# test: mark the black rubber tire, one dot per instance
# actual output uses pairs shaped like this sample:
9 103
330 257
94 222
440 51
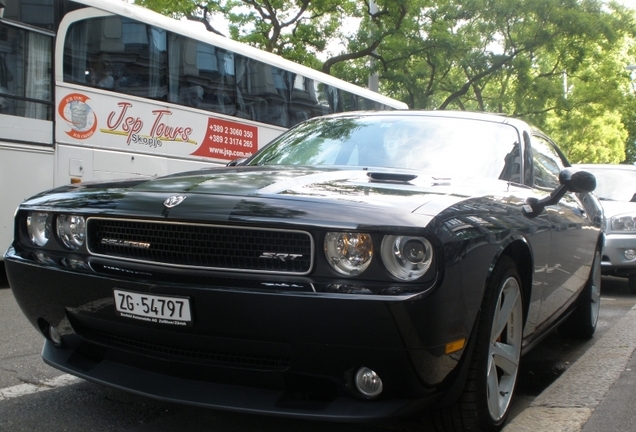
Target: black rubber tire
631 283
581 324
473 412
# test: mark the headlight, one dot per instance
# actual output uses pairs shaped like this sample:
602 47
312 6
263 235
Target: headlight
38 228
349 253
407 258
71 230
623 223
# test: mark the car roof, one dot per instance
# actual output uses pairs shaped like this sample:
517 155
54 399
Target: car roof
606 166
475 115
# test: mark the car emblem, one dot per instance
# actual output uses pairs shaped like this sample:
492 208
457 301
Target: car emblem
284 257
174 201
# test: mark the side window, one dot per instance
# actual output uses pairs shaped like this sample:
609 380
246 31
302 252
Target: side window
203 76
118 54
547 163
25 73
38 13
303 100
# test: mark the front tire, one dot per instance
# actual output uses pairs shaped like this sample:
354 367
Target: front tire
485 401
581 324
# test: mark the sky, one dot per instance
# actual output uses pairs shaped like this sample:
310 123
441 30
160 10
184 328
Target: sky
629 3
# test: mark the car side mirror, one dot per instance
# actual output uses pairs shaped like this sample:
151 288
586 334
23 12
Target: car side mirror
571 181
577 181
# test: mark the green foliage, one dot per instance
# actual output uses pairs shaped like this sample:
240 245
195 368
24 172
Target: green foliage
629 120
590 135
508 56
174 8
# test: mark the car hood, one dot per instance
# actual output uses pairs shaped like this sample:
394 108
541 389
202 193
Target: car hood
293 193
613 208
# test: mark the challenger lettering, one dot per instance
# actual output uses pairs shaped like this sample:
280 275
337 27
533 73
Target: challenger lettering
125 243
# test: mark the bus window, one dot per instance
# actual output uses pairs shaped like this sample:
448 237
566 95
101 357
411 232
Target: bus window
38 13
331 99
249 105
349 101
205 75
25 68
118 54
270 84
303 100
367 104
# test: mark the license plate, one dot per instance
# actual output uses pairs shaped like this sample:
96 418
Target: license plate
154 309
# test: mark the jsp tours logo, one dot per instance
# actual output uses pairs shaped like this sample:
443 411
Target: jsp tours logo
78 115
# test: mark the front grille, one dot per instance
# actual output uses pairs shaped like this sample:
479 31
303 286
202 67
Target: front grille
201 246
198 279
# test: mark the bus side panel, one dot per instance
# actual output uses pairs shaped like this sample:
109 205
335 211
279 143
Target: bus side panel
76 163
97 119
25 169
14 129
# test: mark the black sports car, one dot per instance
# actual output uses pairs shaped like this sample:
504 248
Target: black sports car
361 266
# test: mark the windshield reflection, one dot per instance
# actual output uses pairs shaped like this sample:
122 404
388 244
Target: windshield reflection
453 146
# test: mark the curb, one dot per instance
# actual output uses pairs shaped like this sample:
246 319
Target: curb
567 404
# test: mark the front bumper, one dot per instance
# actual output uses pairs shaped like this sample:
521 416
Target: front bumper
112 372
614 261
251 351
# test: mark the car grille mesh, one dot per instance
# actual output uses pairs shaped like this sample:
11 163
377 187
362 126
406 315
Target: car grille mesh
202 246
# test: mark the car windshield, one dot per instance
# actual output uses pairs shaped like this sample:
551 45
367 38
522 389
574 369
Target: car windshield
614 184
452 146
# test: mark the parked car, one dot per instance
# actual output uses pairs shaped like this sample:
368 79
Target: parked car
616 188
361 266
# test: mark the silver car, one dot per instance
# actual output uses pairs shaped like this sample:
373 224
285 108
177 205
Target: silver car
616 188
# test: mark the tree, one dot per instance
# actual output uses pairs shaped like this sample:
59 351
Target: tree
515 57
509 56
593 123
299 30
629 120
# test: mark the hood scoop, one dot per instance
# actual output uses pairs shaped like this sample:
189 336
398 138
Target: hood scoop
390 177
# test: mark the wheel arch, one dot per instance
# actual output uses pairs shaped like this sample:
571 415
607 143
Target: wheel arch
519 250
600 243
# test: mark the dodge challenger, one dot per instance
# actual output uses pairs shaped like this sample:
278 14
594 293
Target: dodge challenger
362 266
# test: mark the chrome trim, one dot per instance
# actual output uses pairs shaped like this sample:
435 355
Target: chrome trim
224 269
174 201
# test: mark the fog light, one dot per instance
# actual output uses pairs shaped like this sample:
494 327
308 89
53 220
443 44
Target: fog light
630 254
75 264
368 382
45 259
54 336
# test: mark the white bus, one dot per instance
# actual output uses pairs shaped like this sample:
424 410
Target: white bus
102 89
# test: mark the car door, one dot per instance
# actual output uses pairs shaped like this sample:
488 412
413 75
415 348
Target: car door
571 241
